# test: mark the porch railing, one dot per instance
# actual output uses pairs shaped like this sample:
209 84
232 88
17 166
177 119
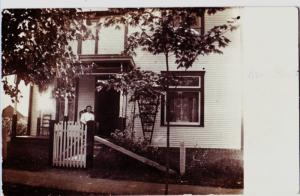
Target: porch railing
71 144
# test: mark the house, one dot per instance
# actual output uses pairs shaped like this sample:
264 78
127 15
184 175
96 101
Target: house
206 110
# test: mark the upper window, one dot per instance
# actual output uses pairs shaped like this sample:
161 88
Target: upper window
198 26
186 100
89 45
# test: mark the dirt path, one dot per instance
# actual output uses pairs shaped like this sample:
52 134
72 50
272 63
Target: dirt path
80 182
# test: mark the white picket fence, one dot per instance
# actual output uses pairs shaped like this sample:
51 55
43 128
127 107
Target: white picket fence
69 145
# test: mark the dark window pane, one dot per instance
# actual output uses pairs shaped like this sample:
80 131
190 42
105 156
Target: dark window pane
71 109
197 23
186 81
184 106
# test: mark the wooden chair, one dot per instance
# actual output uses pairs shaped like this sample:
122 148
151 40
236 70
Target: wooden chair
45 123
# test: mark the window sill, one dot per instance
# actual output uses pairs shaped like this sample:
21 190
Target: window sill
182 125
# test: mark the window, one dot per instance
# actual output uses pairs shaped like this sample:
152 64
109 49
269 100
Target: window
186 100
72 105
198 26
70 112
89 44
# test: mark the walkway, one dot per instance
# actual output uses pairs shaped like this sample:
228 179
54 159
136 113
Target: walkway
79 181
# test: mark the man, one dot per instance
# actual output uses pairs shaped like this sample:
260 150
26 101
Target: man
87 115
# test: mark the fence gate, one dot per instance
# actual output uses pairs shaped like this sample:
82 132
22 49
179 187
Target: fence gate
69 145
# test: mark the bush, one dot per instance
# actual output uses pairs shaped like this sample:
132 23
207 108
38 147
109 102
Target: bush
225 172
21 128
139 146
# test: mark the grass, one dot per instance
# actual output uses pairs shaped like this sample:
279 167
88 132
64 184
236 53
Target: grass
216 169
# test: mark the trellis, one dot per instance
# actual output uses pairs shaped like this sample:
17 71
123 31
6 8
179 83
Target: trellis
148 108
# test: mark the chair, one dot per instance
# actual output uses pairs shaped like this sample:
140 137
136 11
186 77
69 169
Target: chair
45 123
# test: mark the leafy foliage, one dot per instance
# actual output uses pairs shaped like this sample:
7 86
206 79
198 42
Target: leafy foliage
139 84
139 146
172 31
136 82
35 46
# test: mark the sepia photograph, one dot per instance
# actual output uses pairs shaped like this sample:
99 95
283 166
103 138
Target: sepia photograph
124 101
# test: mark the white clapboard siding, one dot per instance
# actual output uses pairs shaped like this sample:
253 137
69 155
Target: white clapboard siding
111 40
223 84
69 145
86 92
222 116
39 107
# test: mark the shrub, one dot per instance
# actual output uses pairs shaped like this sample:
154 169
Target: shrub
21 128
226 172
7 125
139 146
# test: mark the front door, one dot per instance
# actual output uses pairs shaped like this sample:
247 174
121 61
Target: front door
107 105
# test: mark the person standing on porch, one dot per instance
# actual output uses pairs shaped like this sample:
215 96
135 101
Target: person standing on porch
87 115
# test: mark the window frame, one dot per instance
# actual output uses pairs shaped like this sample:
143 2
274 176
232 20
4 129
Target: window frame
198 27
199 89
72 105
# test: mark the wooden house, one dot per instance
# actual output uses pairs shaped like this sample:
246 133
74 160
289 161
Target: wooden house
206 110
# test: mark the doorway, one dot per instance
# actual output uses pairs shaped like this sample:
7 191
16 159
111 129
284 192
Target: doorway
107 105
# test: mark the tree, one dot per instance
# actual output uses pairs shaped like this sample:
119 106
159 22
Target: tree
35 47
170 31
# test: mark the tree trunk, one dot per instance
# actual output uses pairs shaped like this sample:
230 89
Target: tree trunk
15 116
168 127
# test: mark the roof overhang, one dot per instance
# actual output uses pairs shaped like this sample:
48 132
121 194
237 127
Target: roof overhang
109 63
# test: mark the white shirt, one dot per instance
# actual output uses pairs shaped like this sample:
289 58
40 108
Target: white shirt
87 116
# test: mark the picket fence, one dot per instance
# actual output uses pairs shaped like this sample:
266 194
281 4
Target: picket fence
69 145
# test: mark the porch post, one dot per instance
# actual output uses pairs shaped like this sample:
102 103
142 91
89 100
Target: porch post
90 144
66 111
122 114
38 126
30 110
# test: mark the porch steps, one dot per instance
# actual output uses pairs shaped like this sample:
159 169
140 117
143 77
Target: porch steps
132 154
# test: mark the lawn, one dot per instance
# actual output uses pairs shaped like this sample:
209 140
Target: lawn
222 172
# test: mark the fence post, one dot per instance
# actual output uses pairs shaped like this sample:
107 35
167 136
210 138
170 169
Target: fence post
51 135
14 127
182 158
90 144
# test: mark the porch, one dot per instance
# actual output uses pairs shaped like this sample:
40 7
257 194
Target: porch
109 107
